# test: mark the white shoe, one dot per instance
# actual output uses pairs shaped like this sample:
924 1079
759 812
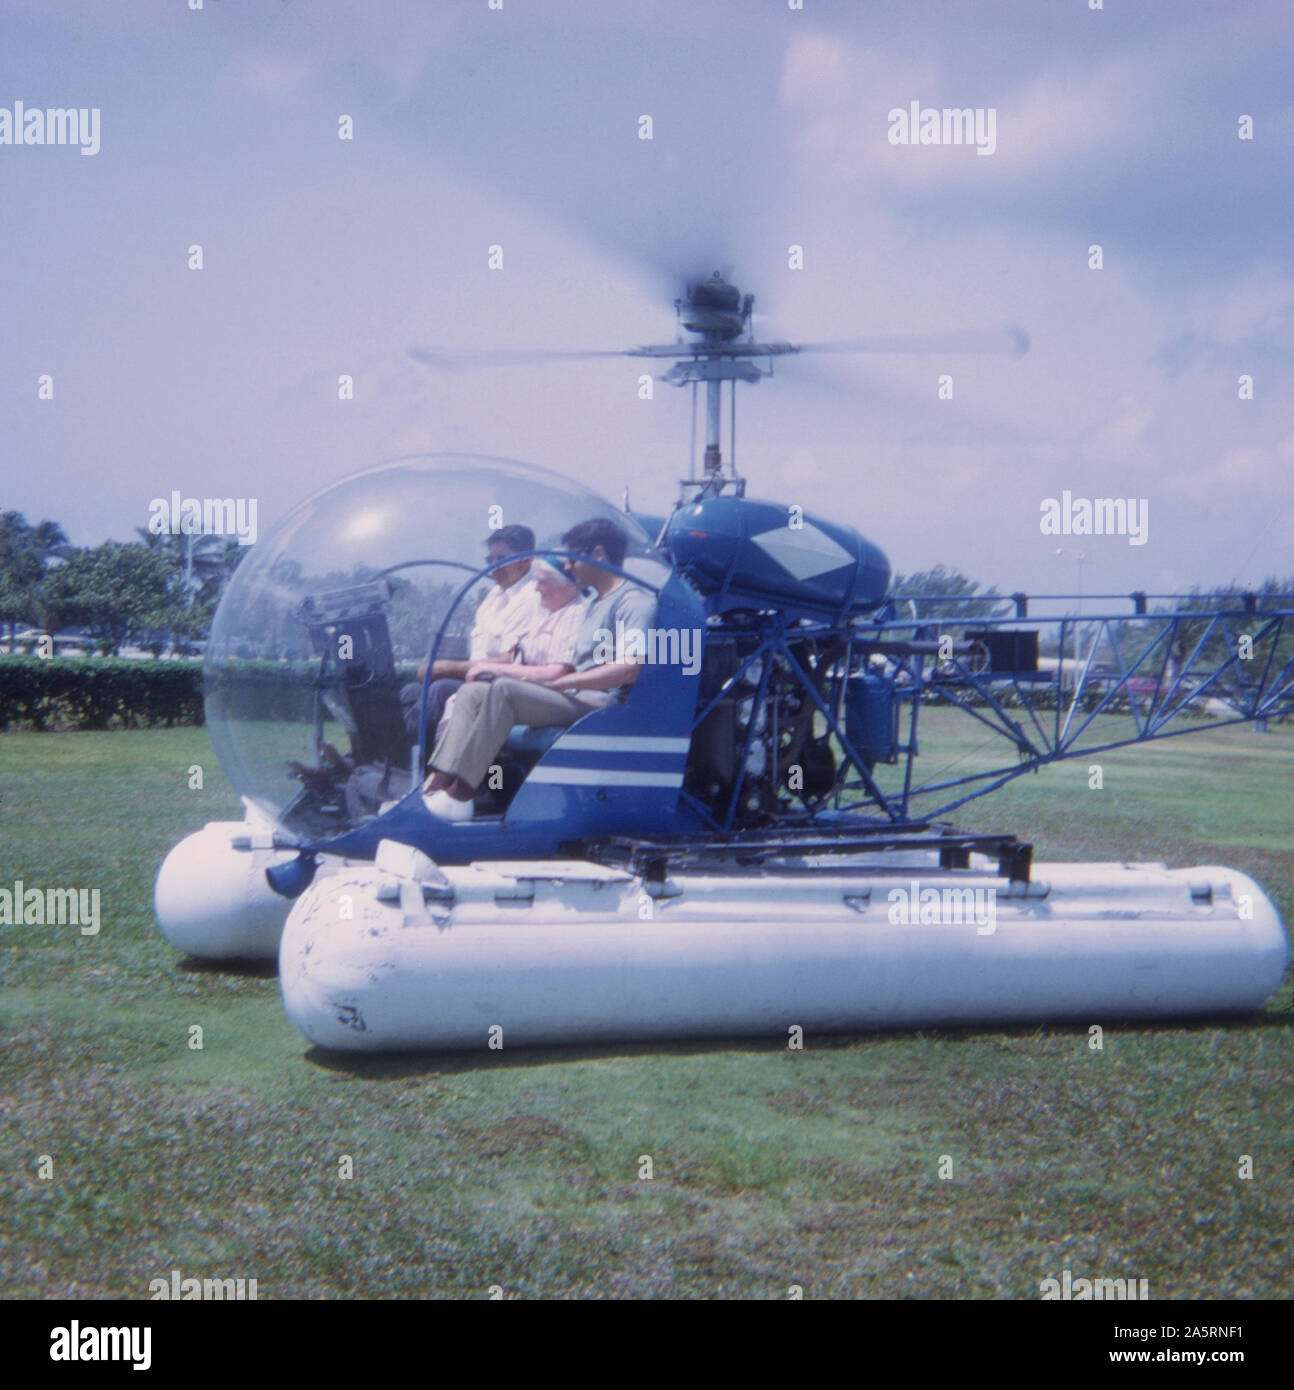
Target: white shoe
448 807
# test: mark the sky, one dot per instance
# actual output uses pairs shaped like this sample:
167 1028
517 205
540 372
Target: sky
520 127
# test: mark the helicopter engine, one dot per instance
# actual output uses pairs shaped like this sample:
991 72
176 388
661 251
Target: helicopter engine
764 570
764 741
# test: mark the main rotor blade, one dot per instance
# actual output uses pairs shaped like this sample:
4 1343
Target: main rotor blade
1010 339
503 357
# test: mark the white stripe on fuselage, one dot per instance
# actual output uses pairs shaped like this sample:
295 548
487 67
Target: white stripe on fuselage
605 776
626 743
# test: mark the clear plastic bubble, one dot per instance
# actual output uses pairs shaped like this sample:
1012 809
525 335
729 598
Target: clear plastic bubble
331 613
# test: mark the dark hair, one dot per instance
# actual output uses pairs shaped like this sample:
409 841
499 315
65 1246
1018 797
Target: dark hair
598 530
517 538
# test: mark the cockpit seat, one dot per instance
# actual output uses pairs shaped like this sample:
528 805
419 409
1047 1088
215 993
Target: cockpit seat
524 739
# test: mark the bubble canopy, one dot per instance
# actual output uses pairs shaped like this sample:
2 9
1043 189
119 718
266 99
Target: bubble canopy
331 613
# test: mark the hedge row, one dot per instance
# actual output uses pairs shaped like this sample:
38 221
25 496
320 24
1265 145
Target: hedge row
98 694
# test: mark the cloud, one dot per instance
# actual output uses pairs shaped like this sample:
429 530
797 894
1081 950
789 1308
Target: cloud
1125 429
1251 472
1241 323
843 94
273 74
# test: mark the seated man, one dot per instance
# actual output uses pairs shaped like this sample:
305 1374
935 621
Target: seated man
546 649
501 618
484 713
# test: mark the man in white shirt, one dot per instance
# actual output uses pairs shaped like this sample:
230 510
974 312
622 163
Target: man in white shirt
484 712
507 611
503 617
546 649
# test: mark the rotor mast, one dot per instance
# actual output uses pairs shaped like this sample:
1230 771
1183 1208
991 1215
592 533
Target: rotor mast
718 314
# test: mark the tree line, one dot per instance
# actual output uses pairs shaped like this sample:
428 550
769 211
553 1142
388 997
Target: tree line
159 592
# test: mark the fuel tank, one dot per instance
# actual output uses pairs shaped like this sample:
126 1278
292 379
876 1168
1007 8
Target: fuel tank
402 954
743 553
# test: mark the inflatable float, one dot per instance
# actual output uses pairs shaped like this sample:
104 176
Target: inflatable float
403 954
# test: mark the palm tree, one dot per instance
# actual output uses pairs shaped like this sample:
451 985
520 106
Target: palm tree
25 554
199 561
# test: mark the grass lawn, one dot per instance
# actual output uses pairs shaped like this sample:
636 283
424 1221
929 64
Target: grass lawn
771 1168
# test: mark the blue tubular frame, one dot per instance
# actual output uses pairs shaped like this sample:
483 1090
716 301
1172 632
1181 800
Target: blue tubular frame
1069 692
1076 683
772 644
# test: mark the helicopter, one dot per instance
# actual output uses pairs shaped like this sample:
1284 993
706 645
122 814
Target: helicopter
721 851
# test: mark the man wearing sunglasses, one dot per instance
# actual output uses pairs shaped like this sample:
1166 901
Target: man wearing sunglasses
484 713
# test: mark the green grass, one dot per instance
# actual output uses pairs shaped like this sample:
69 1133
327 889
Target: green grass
771 1168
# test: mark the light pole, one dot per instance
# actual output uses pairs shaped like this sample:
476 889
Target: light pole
1081 557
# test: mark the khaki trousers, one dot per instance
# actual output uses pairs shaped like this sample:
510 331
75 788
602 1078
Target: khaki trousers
483 712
